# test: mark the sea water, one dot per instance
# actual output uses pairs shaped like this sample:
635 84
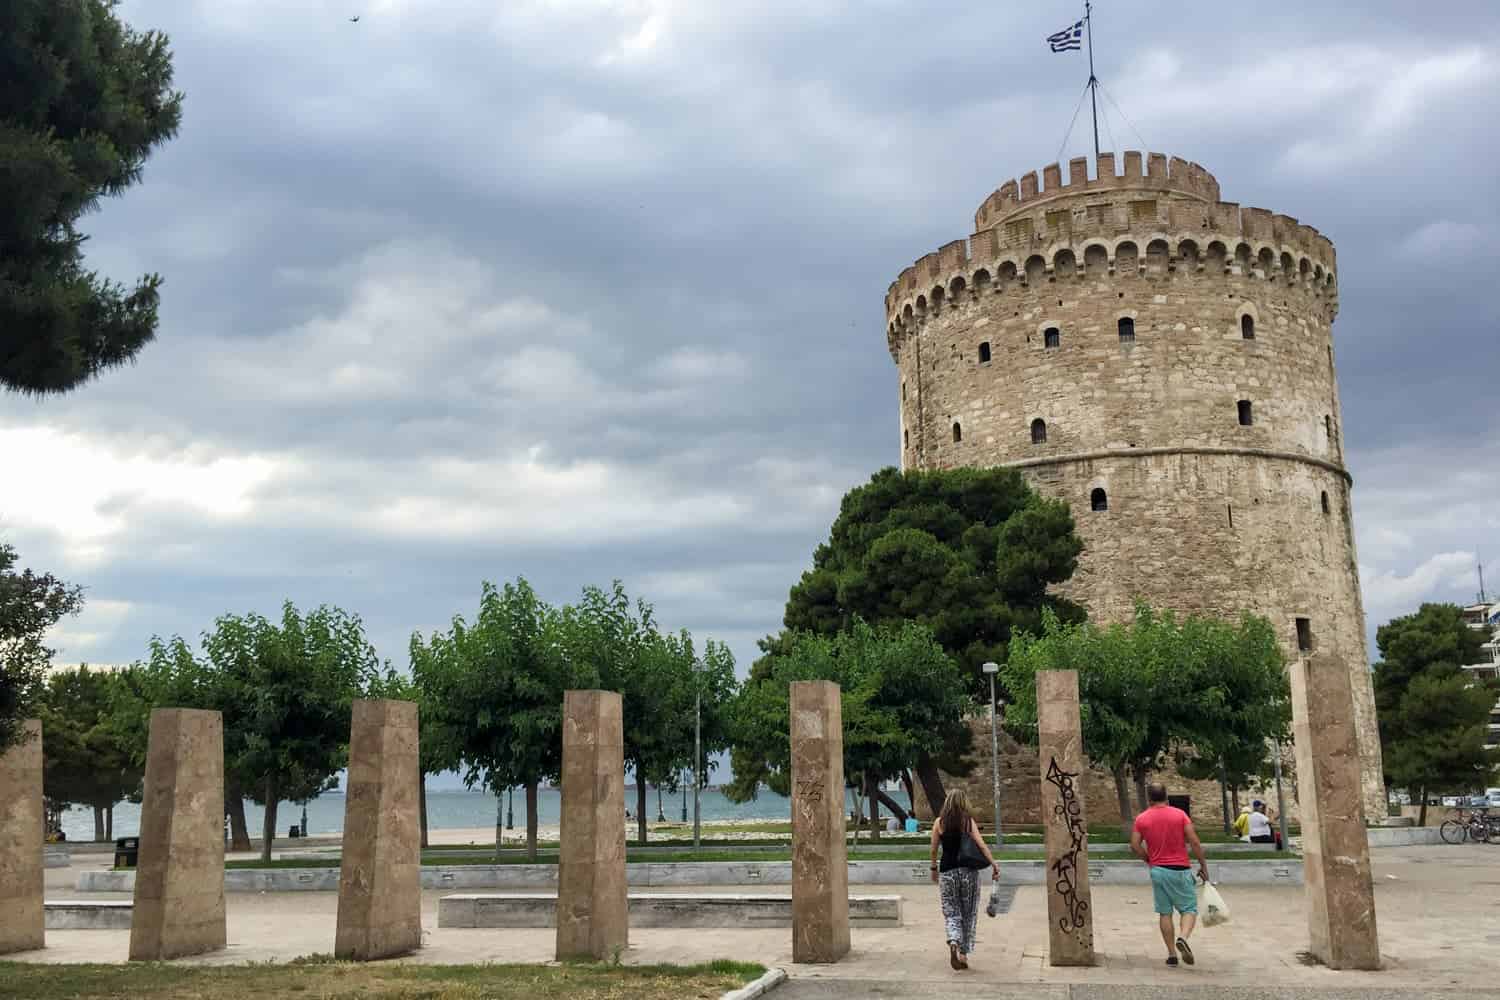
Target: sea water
470 809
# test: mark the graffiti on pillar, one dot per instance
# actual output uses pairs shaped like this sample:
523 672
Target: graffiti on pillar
1070 812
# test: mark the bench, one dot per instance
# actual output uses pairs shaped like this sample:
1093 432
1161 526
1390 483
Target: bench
86 915
657 910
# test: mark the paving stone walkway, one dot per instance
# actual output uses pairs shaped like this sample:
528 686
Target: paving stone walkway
1439 918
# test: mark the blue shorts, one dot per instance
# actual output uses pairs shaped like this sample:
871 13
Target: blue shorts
1173 890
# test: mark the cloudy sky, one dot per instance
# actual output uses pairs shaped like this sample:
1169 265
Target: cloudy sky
579 289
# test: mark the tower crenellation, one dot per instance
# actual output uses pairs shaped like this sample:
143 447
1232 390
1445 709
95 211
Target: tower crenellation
1162 360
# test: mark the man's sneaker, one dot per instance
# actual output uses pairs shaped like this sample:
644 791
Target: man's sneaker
1184 951
1172 961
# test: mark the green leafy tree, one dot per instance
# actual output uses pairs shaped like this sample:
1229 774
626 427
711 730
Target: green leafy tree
86 760
437 750
85 101
285 690
970 553
1433 714
900 693
1154 685
30 605
496 685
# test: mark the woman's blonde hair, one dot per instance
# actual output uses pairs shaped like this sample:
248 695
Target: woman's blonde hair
955 812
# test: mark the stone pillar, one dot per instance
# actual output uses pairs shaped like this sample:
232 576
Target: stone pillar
21 915
179 879
1335 848
592 920
820 863
380 878
1070 929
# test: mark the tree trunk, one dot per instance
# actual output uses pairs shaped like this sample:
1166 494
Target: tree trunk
239 830
1139 771
499 830
422 805
1122 792
1422 811
911 789
1234 799
932 783
640 810
268 829
892 805
98 823
1224 799
856 786
109 823
872 786
661 816
531 820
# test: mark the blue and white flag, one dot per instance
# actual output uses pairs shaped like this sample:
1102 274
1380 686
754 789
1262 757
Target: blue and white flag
1070 39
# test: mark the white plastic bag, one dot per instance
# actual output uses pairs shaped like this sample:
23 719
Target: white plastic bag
1212 909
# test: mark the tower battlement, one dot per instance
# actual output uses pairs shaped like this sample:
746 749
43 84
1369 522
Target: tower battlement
1160 173
1166 218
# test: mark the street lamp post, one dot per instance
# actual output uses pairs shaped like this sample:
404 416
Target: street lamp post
991 668
684 797
697 754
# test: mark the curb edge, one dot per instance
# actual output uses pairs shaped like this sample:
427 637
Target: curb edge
765 984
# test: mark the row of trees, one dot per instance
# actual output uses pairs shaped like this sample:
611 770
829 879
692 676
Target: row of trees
491 691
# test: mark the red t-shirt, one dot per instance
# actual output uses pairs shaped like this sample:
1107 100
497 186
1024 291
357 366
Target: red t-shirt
1164 829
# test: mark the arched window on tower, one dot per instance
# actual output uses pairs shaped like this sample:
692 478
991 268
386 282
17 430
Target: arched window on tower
1247 326
1039 431
958 432
1098 499
984 353
1127 330
1246 417
1051 337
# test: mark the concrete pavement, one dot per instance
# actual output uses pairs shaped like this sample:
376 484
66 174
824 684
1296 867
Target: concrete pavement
1439 921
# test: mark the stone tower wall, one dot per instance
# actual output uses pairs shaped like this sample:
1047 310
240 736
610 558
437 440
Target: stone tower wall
1204 513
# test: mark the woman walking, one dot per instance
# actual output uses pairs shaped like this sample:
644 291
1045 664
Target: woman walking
958 886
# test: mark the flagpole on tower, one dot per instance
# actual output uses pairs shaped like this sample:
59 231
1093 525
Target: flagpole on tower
1088 22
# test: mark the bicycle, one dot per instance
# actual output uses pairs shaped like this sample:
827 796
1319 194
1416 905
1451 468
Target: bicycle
1464 824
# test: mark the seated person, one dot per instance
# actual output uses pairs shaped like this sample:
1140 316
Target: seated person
1260 824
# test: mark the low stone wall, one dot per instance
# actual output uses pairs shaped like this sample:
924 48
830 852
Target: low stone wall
87 915
57 856
696 873
1403 836
658 910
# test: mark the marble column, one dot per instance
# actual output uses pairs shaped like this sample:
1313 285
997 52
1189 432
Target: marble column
21 819
820 864
592 921
1070 919
179 879
380 877
1335 848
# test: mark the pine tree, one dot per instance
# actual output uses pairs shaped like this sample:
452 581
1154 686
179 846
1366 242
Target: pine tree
85 101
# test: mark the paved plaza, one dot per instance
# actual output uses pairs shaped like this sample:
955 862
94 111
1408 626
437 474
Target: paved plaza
1439 914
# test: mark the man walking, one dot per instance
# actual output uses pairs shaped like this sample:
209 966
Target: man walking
1161 838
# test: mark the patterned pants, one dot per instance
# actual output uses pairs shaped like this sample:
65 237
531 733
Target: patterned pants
959 891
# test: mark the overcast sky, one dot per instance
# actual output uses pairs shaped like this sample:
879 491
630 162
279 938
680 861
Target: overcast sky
579 290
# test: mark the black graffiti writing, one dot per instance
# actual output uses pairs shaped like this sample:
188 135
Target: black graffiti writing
1070 811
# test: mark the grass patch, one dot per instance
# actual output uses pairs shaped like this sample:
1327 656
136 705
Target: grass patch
318 977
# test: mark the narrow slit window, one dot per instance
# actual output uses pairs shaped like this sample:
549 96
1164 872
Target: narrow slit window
1247 326
906 439
1052 337
1098 499
958 432
1328 428
903 390
1326 508
1246 416
1127 330
1039 431
984 353
1304 635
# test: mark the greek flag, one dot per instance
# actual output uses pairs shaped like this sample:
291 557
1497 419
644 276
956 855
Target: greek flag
1068 39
